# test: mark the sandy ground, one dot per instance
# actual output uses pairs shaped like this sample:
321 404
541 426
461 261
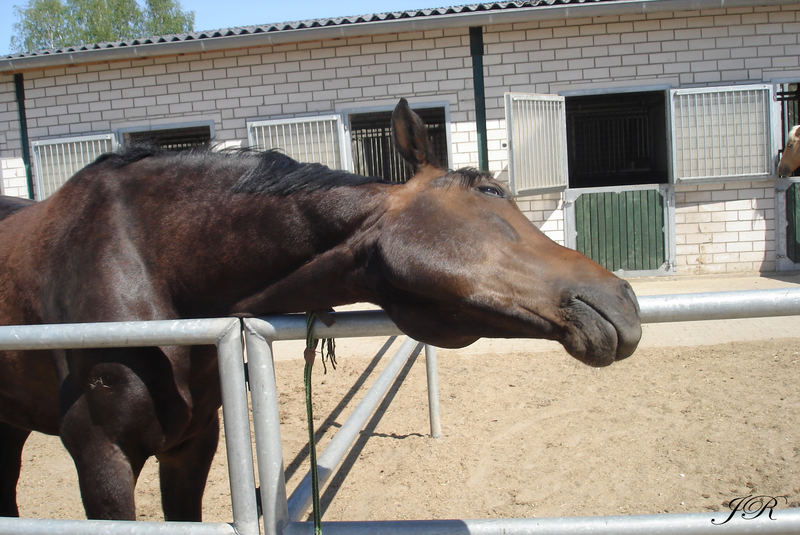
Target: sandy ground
704 412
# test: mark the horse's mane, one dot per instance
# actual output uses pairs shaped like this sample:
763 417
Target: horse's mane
277 174
268 172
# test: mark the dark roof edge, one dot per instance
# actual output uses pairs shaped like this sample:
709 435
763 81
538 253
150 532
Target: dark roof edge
191 44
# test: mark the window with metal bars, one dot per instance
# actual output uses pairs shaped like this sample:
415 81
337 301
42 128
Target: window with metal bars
722 133
56 160
306 139
373 149
617 139
537 143
191 137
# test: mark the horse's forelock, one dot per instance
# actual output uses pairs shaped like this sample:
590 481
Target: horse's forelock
467 177
795 131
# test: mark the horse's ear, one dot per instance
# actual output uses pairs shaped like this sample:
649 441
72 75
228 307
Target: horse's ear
411 136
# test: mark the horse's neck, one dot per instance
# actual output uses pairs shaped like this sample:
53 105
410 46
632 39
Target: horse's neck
298 252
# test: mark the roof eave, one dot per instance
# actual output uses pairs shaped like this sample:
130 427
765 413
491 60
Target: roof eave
420 23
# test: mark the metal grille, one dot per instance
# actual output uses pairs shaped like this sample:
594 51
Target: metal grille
537 142
55 161
721 133
617 139
173 138
789 97
309 139
373 148
628 139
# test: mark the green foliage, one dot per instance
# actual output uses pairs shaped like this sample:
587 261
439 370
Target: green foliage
45 24
163 17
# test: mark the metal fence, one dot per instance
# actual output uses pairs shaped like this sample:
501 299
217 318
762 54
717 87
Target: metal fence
281 514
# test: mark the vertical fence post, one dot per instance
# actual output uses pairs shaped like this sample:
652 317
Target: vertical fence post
236 419
432 371
267 430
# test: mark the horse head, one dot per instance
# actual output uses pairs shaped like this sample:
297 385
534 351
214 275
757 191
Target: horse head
790 159
457 260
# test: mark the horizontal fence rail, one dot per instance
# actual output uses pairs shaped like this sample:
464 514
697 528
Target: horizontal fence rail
115 334
654 309
720 305
784 522
280 514
35 526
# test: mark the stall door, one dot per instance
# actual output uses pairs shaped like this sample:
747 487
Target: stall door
792 219
622 230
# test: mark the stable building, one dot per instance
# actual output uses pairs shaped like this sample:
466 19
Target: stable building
644 133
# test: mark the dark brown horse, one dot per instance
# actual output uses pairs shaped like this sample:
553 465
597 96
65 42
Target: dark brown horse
9 205
145 235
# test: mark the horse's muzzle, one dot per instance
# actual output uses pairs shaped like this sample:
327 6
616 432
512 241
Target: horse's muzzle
602 327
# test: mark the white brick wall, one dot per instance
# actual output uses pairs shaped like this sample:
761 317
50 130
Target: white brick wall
720 227
12 170
725 228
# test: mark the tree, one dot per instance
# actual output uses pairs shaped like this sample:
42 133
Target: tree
165 17
44 24
97 21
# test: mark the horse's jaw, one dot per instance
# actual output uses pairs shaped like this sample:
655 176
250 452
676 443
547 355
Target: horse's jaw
593 328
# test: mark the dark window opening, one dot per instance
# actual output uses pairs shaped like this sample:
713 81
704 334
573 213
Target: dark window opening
373 148
789 97
172 138
617 139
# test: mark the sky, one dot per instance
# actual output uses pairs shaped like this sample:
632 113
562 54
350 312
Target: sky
215 14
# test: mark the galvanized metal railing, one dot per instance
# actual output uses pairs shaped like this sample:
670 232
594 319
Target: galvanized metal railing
282 514
225 333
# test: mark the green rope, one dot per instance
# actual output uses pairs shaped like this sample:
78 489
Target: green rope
310 355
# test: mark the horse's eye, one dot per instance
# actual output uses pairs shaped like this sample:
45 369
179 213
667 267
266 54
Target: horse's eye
492 190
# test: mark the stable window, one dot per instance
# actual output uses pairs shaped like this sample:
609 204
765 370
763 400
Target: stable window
56 160
307 139
788 95
373 148
722 133
190 137
617 139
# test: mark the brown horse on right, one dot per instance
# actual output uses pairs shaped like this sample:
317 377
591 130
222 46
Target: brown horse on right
790 159
146 234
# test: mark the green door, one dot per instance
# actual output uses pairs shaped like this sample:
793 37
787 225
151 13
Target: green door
793 222
622 230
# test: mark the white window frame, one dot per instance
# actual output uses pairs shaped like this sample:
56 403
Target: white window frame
536 128
256 139
712 130
68 158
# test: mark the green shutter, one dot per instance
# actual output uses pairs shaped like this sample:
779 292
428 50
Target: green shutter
792 220
622 231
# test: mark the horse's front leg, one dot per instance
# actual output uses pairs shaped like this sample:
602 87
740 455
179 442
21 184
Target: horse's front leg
12 439
184 470
110 428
